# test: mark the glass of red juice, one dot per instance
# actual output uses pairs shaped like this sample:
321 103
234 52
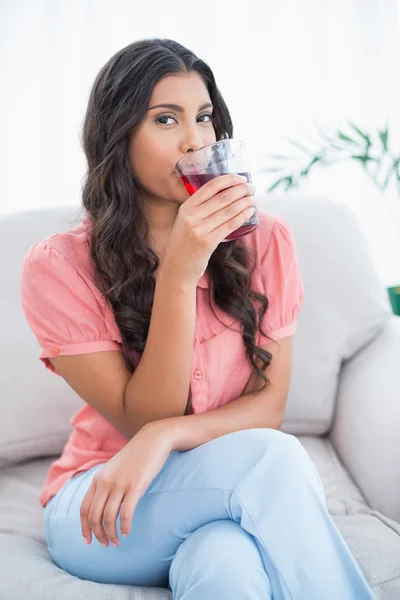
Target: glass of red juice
221 158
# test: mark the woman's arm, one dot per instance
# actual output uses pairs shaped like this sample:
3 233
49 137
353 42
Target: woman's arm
124 479
263 409
159 387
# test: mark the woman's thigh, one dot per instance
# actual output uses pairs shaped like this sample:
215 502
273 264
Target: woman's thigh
142 559
192 489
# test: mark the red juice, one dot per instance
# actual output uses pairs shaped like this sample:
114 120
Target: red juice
194 182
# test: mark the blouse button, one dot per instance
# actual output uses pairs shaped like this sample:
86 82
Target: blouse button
55 351
198 374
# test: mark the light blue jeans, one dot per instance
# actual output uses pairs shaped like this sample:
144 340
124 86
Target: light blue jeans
242 517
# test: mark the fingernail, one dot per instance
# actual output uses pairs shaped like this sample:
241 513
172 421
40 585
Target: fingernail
103 544
86 540
125 534
115 545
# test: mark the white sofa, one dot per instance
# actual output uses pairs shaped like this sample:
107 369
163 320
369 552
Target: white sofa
344 403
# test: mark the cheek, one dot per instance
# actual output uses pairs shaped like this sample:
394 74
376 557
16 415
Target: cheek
154 165
148 151
146 159
211 137
151 163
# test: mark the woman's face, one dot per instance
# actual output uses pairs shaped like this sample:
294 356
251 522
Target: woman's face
166 134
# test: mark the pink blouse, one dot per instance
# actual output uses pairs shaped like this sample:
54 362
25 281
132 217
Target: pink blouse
68 315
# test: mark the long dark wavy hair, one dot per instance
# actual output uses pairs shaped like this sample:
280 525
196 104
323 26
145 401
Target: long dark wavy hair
117 104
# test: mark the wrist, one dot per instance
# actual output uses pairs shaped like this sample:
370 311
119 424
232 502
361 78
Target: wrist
167 277
166 431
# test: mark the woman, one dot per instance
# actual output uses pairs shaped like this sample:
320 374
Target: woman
176 472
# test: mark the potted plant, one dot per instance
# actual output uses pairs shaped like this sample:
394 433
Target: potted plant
371 151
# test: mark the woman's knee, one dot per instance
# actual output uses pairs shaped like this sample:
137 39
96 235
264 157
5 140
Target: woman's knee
252 444
243 449
225 462
287 452
257 440
220 555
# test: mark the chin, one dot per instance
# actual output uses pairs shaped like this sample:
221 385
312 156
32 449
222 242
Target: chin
181 199
176 198
183 194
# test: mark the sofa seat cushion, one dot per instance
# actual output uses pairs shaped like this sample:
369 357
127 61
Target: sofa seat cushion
26 568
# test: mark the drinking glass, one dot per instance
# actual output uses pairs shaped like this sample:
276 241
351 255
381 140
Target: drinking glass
221 158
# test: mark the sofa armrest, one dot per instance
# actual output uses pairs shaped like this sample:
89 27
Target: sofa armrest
366 428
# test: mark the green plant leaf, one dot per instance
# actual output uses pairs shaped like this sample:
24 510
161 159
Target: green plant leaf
325 136
388 176
333 151
273 169
329 138
290 183
363 135
331 162
395 165
277 183
346 138
364 158
336 147
384 138
298 145
306 170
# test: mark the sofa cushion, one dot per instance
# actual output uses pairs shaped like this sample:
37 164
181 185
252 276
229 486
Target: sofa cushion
27 571
374 542
25 564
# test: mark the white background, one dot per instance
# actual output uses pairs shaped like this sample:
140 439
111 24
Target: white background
282 66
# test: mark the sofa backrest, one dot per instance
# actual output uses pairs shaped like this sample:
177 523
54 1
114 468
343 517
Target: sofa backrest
36 405
345 306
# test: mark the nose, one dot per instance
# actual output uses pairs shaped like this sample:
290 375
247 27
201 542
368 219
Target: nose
191 141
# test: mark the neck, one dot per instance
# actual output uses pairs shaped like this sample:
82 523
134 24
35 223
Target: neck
160 216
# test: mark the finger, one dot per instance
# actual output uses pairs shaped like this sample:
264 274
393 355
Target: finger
211 188
221 232
128 506
110 515
224 199
227 216
84 512
96 514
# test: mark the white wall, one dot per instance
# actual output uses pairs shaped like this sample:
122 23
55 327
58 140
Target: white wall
282 66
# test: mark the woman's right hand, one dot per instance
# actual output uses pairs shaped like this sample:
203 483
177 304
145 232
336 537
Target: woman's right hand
216 209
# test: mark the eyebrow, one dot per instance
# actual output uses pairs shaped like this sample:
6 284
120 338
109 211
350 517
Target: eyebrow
179 108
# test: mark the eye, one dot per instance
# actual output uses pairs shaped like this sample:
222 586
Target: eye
158 120
209 115
163 118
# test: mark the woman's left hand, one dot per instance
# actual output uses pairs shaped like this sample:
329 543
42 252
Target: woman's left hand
122 481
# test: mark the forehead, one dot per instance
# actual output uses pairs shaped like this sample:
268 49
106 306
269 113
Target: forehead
180 88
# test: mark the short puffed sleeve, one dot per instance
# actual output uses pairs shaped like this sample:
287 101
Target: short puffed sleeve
62 310
282 282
